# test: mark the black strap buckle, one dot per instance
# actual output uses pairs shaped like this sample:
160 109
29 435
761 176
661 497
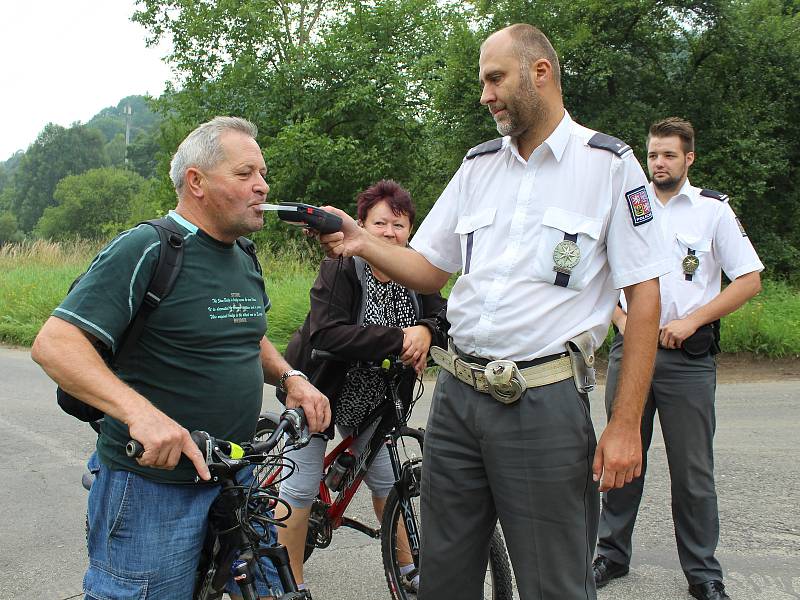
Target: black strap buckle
151 300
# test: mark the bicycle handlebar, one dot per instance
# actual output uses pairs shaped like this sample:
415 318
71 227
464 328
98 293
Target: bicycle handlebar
223 453
387 364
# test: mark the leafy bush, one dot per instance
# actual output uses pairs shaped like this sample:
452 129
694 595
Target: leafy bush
93 205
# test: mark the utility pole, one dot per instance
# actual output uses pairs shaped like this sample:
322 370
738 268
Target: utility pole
128 111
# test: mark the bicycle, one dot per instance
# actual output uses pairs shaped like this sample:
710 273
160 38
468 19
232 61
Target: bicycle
400 522
240 516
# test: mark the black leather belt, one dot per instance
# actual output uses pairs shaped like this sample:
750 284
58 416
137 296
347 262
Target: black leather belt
521 364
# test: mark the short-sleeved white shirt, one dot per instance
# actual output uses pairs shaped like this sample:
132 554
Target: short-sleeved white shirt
499 220
708 227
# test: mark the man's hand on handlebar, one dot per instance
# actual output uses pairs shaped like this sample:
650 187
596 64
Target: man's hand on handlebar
164 441
300 392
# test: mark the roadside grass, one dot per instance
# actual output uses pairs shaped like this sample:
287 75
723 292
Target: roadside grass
768 325
35 277
288 277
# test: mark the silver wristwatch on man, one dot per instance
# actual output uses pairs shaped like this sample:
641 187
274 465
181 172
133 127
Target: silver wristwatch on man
286 375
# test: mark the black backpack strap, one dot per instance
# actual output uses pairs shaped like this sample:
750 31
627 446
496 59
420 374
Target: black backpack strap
249 247
170 260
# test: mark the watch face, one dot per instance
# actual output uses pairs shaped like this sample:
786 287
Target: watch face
566 256
690 264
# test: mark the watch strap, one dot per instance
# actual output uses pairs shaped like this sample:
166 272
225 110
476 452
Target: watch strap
562 279
688 276
290 373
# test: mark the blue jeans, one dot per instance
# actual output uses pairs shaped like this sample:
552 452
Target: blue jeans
145 538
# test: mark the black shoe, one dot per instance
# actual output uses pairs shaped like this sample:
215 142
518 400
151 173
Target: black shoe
605 570
709 590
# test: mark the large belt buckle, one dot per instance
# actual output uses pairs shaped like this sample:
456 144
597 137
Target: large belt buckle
506 383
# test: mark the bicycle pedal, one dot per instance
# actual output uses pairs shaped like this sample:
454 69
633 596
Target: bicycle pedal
358 526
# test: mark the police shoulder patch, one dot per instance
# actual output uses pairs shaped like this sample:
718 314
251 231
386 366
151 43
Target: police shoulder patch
610 143
639 205
714 194
485 148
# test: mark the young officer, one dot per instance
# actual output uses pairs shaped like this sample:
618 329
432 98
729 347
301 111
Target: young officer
546 225
705 237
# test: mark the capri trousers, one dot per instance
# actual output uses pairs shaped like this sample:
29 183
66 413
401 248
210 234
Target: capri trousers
301 488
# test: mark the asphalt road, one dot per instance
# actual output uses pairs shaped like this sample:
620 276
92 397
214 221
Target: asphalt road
42 502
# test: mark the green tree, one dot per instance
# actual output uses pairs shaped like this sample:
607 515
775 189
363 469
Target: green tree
95 204
144 153
145 203
348 91
56 153
741 89
115 150
8 228
8 168
338 89
112 120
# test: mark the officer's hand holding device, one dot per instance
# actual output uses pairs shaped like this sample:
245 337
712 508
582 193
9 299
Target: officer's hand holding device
305 215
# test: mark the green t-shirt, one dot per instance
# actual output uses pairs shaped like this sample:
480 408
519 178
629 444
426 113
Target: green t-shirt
198 358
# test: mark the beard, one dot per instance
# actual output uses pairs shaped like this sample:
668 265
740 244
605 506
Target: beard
668 184
524 109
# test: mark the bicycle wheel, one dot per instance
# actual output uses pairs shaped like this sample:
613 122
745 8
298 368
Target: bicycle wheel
497 584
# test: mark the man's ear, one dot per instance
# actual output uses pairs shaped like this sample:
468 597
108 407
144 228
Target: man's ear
541 71
193 180
689 159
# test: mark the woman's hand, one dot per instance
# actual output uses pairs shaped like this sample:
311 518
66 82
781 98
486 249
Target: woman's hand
416 342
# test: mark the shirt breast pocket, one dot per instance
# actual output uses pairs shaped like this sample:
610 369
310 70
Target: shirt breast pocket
467 228
568 243
694 255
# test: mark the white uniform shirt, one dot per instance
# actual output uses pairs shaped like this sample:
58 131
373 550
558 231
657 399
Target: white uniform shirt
499 220
709 227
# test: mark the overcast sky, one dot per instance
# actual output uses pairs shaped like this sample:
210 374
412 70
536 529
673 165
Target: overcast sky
63 61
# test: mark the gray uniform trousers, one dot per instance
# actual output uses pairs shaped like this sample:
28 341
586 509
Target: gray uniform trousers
682 392
528 463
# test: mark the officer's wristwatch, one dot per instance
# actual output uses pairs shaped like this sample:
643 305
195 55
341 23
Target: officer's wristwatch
286 375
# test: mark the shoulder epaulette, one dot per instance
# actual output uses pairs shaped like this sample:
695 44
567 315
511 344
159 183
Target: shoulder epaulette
610 143
714 194
485 148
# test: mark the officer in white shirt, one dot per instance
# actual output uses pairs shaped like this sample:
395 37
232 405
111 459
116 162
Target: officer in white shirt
546 225
705 237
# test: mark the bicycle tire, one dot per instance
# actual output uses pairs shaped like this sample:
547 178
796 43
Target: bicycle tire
499 584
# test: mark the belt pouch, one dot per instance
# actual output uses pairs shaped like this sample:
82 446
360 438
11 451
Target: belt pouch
581 354
700 343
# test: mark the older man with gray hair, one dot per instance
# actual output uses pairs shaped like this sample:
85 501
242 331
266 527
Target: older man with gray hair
194 366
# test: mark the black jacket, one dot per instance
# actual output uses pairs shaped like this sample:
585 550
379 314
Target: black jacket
333 324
